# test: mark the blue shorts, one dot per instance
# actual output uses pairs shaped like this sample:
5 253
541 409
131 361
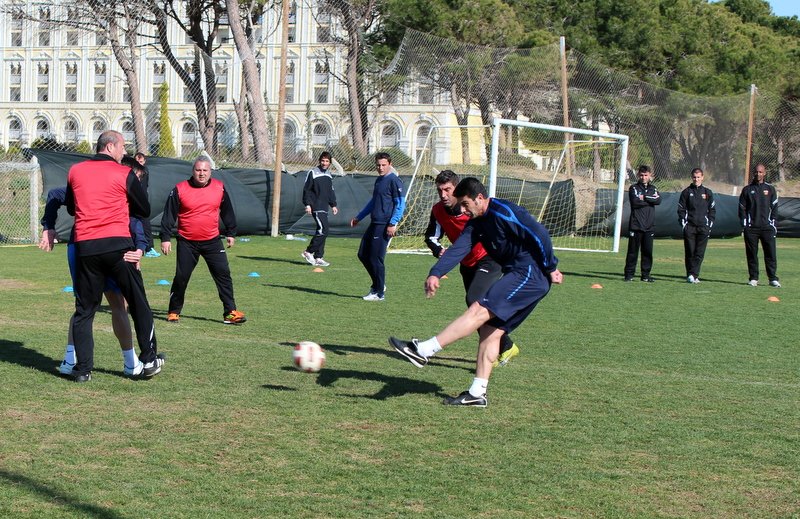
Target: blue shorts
72 260
514 296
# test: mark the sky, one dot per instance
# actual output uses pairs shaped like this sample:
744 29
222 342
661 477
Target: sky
785 7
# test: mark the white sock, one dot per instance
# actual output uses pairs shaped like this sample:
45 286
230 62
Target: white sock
129 357
69 355
429 348
478 387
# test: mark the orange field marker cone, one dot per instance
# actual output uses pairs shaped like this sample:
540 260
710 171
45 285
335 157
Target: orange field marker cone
597 285
317 270
773 299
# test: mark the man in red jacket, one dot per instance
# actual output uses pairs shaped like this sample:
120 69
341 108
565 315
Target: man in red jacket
102 195
197 204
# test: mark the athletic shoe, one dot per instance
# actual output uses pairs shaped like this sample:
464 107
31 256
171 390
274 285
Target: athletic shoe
372 296
153 368
321 263
753 282
690 279
234 317
775 283
628 279
466 399
65 368
152 253
506 356
308 257
172 317
135 371
86 377
408 349
648 279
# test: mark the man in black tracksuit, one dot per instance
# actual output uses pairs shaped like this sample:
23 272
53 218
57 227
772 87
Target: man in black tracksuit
318 196
696 212
757 205
643 197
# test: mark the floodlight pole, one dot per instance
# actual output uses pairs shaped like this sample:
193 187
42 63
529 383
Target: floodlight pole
278 168
749 147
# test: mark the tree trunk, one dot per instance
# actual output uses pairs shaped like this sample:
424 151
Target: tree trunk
263 149
129 64
244 126
356 123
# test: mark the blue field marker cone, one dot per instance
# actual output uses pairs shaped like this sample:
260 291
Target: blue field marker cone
254 275
162 282
67 289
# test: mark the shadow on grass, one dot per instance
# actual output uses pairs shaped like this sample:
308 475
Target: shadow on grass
162 315
278 260
58 497
392 386
312 291
343 350
16 353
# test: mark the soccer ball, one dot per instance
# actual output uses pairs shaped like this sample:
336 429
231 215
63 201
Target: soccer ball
308 356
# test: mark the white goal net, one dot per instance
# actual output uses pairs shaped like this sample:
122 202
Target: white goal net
572 180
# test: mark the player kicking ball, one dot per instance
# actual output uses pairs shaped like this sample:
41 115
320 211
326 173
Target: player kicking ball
521 245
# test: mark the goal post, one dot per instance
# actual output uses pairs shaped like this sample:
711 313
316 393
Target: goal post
597 184
525 163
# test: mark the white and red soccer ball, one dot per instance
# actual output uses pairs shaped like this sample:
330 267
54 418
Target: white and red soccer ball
308 356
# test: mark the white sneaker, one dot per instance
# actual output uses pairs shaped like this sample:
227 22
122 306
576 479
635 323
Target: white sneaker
321 263
372 296
690 279
65 368
753 283
134 371
308 257
775 283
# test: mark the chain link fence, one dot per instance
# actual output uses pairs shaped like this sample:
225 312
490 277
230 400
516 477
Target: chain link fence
186 97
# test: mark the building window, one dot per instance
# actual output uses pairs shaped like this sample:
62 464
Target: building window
15 80
42 129
221 75
70 130
188 138
100 39
100 82
323 26
159 75
292 29
43 83
43 36
425 94
126 93
320 135
390 136
128 131
290 82
422 139
98 127
14 132
16 29
71 80
321 82
289 137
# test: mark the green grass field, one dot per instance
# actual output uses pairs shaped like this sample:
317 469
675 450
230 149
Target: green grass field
634 400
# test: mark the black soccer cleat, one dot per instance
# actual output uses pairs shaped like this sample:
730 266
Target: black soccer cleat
466 399
408 349
153 368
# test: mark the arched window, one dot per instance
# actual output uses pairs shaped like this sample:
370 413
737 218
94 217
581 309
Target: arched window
153 136
14 132
422 137
98 127
128 132
42 129
390 136
320 134
188 138
70 130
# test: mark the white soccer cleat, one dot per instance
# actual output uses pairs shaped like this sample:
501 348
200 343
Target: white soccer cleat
309 257
775 283
690 279
753 283
372 296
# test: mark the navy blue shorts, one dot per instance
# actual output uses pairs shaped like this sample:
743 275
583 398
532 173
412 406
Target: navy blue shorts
72 260
514 296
